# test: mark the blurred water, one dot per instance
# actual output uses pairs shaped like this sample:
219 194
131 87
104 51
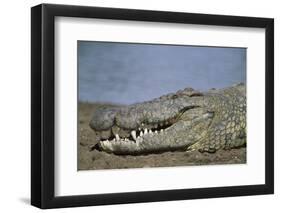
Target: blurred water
128 73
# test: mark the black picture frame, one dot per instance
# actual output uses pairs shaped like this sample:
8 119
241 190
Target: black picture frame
43 102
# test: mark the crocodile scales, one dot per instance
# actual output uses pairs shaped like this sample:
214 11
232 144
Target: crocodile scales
185 120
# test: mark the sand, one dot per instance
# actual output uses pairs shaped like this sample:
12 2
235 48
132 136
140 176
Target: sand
89 159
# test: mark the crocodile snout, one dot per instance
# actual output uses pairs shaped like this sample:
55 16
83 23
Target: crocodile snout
103 118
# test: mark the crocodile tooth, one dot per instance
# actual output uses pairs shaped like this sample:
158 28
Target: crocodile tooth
156 131
150 132
145 131
134 134
141 133
117 137
161 130
139 140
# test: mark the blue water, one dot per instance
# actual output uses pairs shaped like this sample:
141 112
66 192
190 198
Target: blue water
129 73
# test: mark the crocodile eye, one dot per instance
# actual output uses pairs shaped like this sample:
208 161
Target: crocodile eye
174 96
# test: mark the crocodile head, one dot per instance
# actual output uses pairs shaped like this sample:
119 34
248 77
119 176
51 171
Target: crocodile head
208 121
171 122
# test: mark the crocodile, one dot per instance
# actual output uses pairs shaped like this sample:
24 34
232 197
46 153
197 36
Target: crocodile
186 120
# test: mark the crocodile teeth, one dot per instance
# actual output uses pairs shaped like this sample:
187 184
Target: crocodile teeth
141 133
145 131
150 132
134 134
117 137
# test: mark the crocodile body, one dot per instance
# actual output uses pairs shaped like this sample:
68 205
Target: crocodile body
185 120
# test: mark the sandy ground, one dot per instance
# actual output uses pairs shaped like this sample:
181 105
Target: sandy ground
92 159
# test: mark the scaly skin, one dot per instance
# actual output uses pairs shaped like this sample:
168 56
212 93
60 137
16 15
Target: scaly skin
185 120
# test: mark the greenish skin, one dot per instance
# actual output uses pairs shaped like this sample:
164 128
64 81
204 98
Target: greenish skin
189 119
